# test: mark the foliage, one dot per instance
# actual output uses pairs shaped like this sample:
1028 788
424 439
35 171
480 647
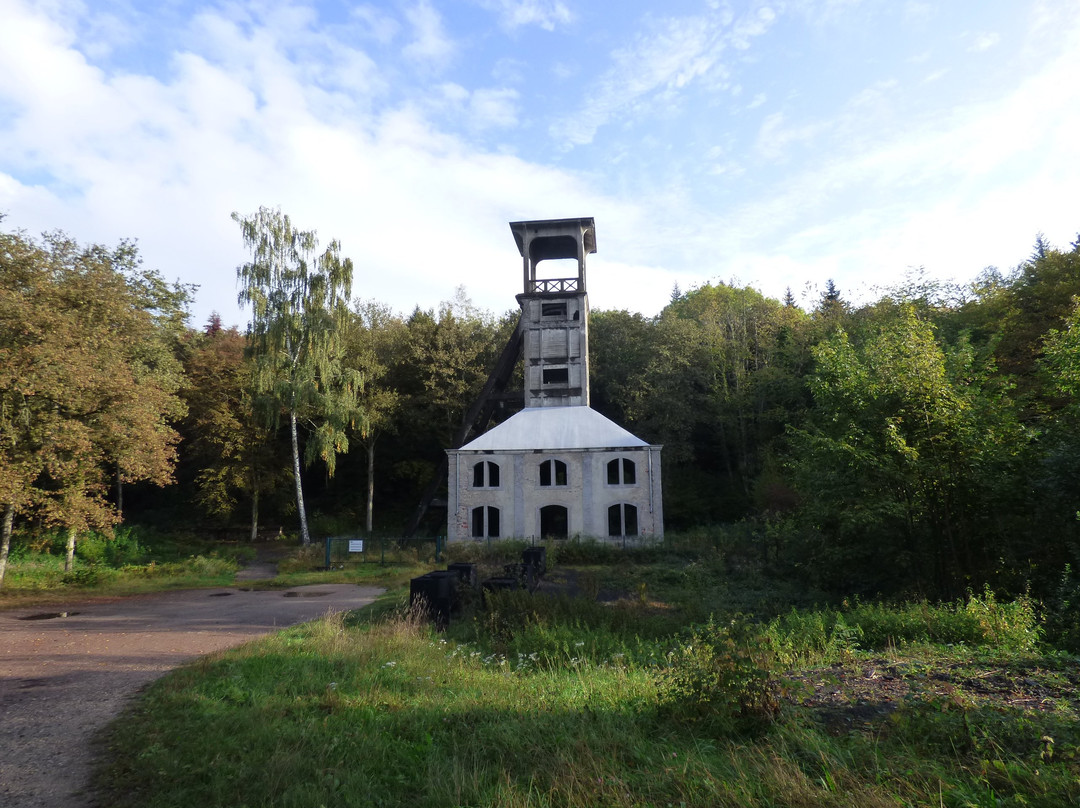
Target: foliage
715 674
299 304
88 380
904 455
227 431
1062 612
129 560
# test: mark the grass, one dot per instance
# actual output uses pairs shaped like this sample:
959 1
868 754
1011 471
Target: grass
140 560
570 701
133 561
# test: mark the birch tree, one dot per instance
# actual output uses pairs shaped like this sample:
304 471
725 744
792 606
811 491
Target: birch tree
299 307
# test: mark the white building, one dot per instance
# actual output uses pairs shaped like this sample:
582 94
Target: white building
558 468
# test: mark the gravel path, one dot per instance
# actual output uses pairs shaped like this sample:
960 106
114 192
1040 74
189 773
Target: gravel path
66 671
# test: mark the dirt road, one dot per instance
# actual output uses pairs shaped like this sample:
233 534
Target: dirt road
66 671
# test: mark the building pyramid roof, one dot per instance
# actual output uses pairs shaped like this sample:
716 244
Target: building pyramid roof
555 428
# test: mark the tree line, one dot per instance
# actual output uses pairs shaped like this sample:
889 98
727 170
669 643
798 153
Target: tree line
925 442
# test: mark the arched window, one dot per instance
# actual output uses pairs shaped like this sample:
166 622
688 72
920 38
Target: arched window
622 520
552 472
554 522
485 474
621 471
485 522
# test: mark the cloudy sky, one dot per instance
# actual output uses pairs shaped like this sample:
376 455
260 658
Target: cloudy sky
775 144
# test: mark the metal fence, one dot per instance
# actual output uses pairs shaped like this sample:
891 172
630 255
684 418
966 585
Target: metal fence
345 550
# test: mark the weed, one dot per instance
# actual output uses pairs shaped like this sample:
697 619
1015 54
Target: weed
715 675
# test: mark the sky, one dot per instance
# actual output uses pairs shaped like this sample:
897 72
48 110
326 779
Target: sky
771 144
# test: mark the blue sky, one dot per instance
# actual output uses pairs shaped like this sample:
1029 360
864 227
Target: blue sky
774 144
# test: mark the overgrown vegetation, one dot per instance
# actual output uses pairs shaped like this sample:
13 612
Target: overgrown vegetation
915 446
590 693
128 561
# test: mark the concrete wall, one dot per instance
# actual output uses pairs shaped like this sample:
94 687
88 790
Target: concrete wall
558 342
586 496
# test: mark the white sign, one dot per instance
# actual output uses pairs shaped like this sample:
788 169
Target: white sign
356 545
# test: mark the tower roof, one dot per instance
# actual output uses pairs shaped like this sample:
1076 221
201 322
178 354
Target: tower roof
555 428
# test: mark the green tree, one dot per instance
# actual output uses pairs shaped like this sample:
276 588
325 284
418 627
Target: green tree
79 396
23 286
299 306
621 346
375 342
905 459
227 435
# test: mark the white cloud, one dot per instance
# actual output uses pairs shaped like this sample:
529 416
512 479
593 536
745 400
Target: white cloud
493 108
675 53
272 108
984 41
376 23
478 110
775 139
930 193
430 45
546 14
242 125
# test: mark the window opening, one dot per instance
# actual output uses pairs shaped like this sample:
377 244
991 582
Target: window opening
486 474
622 520
554 522
553 472
485 522
621 471
553 309
556 376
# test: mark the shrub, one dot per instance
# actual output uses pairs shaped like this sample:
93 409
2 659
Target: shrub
1063 612
805 637
715 676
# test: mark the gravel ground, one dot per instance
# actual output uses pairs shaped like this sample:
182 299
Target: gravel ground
66 671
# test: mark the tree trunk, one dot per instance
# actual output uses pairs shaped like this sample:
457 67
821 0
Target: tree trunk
305 537
5 539
370 481
69 559
119 494
255 514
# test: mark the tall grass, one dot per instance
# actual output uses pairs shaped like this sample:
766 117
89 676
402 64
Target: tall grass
387 712
977 621
130 560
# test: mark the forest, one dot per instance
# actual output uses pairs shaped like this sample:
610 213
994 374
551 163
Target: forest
924 444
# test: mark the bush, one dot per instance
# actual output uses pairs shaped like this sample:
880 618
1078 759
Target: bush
805 637
120 550
1063 612
715 676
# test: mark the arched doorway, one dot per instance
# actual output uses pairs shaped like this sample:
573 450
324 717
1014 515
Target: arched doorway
554 522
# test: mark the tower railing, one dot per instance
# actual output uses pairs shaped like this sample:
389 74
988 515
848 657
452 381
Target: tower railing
554 286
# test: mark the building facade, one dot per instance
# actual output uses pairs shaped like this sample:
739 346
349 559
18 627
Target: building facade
558 468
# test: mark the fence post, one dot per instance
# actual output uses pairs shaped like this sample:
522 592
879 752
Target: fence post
328 542
438 549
